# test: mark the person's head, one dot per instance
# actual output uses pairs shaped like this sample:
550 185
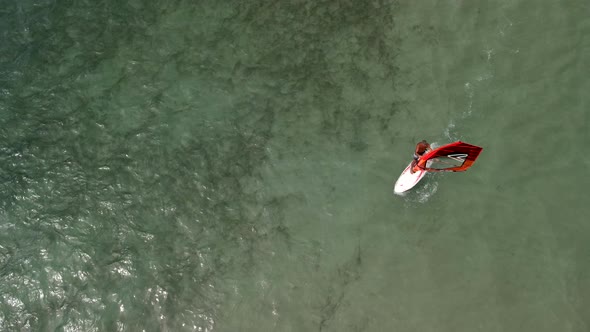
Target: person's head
424 141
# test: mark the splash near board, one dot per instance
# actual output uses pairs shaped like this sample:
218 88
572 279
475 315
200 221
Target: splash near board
453 157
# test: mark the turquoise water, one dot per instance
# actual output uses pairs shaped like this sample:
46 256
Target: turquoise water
178 166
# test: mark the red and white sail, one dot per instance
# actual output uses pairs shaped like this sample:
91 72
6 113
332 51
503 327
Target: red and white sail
453 157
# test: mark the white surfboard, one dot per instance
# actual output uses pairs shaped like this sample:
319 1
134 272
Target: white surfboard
407 180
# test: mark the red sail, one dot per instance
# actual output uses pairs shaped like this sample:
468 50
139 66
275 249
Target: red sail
453 157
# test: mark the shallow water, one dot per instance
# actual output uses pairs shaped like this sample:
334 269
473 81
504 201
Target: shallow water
229 167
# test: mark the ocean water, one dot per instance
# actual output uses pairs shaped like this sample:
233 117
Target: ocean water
229 166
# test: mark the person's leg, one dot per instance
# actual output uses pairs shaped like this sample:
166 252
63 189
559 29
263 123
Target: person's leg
412 166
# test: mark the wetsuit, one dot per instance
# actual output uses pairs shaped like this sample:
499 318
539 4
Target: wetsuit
420 149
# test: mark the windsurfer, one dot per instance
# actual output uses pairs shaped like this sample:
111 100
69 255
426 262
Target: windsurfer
421 148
